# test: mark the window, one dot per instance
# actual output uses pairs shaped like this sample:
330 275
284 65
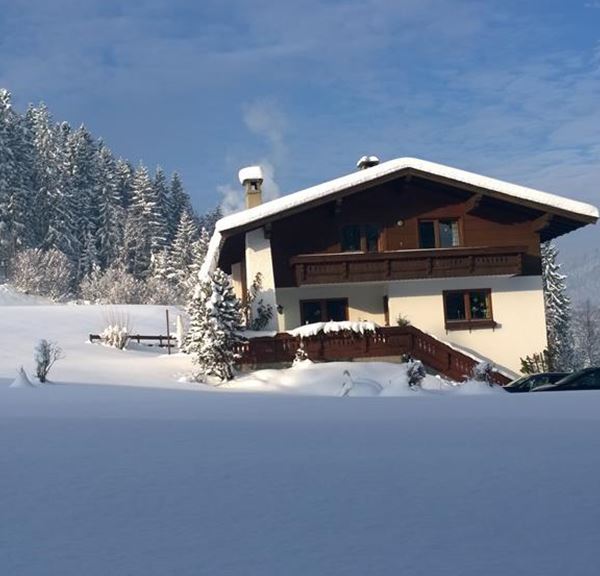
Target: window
323 310
371 238
439 233
467 309
360 238
351 238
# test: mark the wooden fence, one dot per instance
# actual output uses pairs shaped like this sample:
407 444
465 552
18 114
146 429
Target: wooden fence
391 341
161 341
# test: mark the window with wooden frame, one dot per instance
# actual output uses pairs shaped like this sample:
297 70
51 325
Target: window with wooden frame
439 233
468 309
360 238
335 309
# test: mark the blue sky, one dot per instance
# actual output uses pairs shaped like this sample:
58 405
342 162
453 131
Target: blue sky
507 88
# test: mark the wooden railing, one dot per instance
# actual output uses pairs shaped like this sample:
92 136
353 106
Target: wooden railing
392 341
407 264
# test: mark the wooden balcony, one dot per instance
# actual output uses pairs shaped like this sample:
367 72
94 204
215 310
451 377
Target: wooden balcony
407 264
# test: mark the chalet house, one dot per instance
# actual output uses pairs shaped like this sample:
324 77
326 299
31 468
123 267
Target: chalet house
455 253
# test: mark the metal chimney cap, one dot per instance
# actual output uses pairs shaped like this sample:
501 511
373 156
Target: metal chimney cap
250 173
367 162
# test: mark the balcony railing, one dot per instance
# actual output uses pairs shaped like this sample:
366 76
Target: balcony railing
407 264
389 342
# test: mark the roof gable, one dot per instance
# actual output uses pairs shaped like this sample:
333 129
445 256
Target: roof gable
394 169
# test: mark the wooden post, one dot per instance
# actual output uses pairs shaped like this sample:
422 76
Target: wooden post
168 334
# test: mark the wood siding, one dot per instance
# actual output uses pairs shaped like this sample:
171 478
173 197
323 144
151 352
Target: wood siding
488 223
483 221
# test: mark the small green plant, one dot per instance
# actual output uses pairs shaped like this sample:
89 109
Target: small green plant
538 362
402 321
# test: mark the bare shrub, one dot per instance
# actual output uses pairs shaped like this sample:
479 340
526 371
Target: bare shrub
46 353
43 272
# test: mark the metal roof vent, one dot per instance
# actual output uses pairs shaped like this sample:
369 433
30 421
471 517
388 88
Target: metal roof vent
367 162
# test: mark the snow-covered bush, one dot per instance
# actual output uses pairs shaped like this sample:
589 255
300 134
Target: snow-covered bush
415 372
112 286
483 372
159 291
117 331
215 322
300 355
45 354
115 336
44 272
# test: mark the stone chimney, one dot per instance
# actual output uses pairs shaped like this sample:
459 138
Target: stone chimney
367 162
251 178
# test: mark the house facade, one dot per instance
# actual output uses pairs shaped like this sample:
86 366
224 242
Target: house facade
454 253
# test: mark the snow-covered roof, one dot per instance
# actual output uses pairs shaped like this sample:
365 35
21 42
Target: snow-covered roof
320 191
578 210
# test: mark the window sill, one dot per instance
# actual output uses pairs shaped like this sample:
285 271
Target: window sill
470 324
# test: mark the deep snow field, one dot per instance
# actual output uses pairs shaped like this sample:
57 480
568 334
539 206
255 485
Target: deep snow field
119 468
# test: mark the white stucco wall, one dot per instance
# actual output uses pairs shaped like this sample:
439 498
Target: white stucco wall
517 304
365 301
259 259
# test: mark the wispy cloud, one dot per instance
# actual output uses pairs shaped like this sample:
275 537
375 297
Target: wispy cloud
265 119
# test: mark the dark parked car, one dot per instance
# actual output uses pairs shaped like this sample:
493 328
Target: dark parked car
532 381
586 379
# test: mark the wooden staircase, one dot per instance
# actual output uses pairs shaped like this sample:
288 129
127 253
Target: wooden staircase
395 341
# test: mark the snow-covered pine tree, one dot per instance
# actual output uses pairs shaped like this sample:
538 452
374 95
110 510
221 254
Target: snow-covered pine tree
182 251
178 202
558 311
209 219
45 168
62 219
15 181
85 183
140 225
110 211
124 178
215 323
199 250
161 193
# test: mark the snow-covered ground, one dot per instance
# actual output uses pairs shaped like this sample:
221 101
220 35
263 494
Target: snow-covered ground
153 480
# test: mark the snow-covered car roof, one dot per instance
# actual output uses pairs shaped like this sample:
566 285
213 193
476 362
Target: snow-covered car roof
499 188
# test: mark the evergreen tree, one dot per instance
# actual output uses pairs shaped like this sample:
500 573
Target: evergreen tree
215 323
558 311
209 219
15 181
85 180
110 211
140 229
124 178
182 252
39 126
179 202
62 190
161 193
62 210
